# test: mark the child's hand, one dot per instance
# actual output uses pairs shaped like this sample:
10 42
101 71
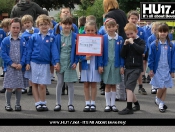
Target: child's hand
57 67
100 70
14 65
172 75
151 73
131 40
74 66
126 42
19 66
27 67
143 55
88 57
121 70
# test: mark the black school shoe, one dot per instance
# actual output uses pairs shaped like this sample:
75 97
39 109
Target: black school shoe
92 108
71 108
125 111
39 108
136 108
44 107
107 109
30 91
162 110
143 79
153 91
142 91
47 91
8 108
24 91
86 108
57 108
17 107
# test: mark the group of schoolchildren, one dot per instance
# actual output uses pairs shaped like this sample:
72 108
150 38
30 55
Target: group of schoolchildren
31 55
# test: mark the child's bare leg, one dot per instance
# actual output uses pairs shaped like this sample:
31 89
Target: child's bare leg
42 92
35 92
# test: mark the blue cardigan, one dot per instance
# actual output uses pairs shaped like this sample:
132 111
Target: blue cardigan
42 51
119 61
6 50
154 55
74 57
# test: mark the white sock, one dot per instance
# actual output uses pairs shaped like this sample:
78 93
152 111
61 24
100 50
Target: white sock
113 98
157 100
108 97
37 103
92 103
88 102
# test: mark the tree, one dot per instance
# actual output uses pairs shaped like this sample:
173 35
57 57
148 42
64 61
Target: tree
56 4
6 6
92 8
127 5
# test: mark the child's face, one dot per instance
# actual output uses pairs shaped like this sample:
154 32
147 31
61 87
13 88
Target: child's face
162 35
66 27
6 29
133 19
131 34
43 26
65 12
28 24
111 29
90 30
15 28
154 30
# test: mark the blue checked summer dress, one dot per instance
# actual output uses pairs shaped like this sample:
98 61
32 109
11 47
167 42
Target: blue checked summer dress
111 75
70 75
90 75
162 78
40 73
14 78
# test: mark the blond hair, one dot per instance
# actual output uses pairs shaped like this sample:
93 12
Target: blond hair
91 18
130 26
154 25
90 23
5 22
26 18
110 4
43 18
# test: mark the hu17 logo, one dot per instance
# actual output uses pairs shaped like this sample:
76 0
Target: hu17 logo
157 10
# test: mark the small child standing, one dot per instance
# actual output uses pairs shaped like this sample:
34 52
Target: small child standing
65 41
13 54
112 62
132 53
41 51
27 22
89 73
161 62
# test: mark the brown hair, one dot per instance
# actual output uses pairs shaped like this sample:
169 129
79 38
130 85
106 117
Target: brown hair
130 26
43 18
26 18
132 12
110 22
15 20
5 22
65 20
110 4
163 27
82 21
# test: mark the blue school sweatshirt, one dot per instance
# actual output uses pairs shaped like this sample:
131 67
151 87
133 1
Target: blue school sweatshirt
154 56
42 51
5 47
119 61
27 35
74 58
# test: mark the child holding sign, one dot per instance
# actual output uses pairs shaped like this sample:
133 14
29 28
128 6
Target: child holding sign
89 73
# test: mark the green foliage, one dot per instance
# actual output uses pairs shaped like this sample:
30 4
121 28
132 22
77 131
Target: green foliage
56 4
6 6
89 8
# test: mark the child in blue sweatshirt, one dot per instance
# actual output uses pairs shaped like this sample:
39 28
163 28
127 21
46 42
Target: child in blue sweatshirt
42 50
13 54
65 41
113 63
161 62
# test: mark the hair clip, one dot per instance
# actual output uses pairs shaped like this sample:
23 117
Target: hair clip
108 19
